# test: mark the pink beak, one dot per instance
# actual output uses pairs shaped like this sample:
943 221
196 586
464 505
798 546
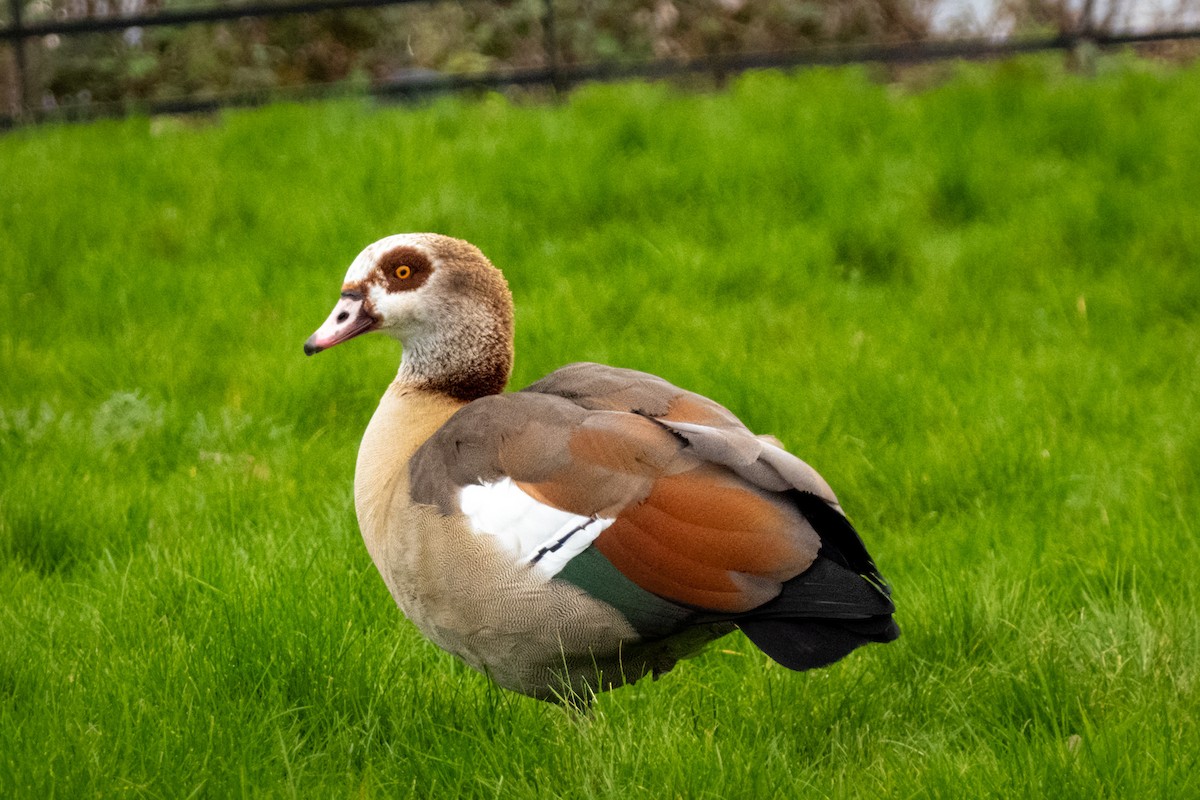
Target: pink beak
348 319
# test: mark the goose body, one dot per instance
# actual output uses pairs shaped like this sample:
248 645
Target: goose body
594 527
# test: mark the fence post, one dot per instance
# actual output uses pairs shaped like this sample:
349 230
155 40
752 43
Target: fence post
1083 41
550 47
1086 27
18 45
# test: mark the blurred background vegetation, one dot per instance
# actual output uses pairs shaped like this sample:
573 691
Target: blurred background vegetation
365 47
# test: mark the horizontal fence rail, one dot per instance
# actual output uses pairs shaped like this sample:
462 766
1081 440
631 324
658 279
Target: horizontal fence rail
182 17
553 75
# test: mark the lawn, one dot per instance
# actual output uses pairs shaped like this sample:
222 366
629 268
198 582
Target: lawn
973 305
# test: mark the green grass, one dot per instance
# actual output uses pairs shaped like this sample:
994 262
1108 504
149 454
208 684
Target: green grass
973 307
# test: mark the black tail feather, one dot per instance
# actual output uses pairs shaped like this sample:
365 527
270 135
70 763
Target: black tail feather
828 590
839 540
802 644
838 604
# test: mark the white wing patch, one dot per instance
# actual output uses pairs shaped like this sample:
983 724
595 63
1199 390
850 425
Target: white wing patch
536 534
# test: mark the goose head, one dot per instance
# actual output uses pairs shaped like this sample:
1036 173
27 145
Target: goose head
442 299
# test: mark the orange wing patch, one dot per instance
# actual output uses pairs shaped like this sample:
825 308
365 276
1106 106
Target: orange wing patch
624 443
700 411
710 540
614 459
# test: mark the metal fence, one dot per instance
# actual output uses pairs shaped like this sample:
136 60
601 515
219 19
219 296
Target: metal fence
552 74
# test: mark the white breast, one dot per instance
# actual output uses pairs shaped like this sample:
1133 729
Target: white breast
534 533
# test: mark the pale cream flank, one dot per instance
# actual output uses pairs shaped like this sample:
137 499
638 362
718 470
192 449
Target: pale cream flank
504 619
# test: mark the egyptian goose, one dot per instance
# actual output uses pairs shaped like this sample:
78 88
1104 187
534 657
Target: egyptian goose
594 527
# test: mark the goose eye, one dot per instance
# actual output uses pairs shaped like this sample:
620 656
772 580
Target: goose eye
403 272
